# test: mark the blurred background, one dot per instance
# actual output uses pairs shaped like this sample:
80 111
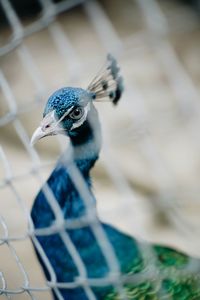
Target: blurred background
147 179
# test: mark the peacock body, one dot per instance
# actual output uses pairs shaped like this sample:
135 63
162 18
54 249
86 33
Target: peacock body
70 111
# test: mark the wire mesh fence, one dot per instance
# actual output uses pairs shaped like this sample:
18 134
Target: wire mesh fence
151 143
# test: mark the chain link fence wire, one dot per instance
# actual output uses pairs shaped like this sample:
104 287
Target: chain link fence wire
149 167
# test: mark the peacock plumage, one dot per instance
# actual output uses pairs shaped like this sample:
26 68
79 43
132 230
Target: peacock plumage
71 111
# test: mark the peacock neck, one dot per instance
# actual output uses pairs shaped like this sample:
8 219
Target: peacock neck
85 147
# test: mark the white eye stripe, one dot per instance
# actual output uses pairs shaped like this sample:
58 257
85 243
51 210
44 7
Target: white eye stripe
83 118
55 123
66 114
52 122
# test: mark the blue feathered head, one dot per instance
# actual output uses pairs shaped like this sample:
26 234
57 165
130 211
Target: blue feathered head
68 108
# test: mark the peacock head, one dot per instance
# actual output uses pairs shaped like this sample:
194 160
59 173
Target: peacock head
69 108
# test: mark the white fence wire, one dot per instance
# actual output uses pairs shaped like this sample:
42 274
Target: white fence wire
154 37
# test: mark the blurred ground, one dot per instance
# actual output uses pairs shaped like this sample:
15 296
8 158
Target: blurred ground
147 180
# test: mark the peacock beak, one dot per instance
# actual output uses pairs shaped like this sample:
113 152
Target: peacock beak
37 135
49 126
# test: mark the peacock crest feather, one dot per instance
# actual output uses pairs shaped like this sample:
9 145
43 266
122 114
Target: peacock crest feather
108 84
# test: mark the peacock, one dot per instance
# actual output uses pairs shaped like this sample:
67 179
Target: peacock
71 111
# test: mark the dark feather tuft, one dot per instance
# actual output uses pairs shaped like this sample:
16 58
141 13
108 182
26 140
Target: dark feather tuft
119 90
108 84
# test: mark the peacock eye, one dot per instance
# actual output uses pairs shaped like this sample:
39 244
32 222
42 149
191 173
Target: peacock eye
76 113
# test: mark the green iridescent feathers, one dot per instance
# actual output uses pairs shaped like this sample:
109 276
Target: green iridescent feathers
172 278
